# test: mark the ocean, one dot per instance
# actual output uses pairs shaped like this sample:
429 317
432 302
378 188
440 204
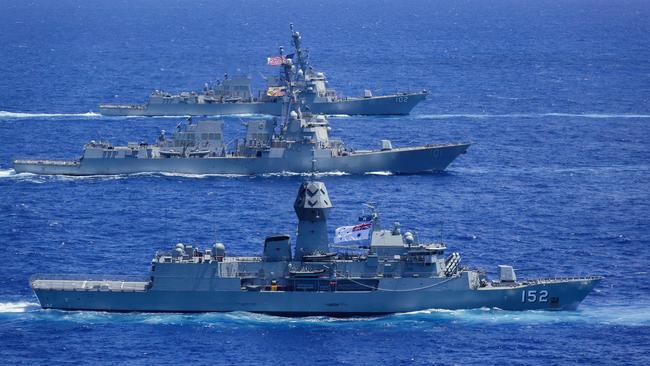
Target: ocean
554 96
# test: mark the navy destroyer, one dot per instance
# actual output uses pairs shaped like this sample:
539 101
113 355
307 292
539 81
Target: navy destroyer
394 272
269 147
234 95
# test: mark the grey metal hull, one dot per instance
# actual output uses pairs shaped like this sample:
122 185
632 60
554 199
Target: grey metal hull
382 105
446 296
399 161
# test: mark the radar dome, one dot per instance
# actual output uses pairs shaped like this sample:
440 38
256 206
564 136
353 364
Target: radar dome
219 250
178 252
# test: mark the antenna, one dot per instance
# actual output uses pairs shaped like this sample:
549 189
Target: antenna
313 163
442 223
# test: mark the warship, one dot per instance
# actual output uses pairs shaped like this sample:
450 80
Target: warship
233 95
395 272
271 146
199 148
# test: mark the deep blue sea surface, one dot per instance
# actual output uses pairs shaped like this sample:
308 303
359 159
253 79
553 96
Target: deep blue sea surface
555 96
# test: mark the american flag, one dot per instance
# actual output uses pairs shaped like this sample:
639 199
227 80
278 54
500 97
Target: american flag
275 60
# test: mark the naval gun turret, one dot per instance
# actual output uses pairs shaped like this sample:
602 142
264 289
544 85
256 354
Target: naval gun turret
312 206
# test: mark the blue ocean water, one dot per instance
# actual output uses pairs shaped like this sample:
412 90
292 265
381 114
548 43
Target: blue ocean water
554 95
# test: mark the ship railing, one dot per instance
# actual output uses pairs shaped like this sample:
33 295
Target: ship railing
122 106
562 279
76 282
47 162
544 280
242 259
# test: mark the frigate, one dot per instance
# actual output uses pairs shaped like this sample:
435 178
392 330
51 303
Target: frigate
234 95
270 146
394 272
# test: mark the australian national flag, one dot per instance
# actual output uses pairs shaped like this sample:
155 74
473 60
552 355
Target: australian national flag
357 232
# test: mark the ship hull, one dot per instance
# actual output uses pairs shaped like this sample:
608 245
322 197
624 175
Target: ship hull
401 104
397 161
562 295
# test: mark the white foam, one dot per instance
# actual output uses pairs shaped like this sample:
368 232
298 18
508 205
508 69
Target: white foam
616 315
38 178
17 307
385 173
194 176
305 174
5 114
4 173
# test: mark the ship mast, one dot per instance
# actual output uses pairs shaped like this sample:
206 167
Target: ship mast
291 101
300 55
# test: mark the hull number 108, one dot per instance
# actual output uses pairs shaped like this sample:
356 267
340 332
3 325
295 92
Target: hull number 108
534 296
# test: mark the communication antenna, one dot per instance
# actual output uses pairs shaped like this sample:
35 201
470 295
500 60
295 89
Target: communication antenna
313 164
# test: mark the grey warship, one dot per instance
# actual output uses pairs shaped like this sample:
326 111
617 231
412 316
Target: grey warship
233 95
199 148
395 273
269 147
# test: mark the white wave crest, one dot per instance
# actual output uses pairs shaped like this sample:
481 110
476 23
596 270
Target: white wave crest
379 173
610 315
193 176
623 315
9 115
6 173
17 307
37 178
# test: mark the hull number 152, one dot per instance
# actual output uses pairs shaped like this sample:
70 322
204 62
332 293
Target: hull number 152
534 296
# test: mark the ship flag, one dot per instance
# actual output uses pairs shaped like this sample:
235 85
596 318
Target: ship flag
275 60
357 232
275 91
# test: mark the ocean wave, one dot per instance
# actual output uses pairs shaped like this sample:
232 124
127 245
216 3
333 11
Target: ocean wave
624 315
385 173
12 115
6 173
38 178
18 307
304 174
608 315
530 115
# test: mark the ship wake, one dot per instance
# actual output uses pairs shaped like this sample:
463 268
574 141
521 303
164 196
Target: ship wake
621 315
17 115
